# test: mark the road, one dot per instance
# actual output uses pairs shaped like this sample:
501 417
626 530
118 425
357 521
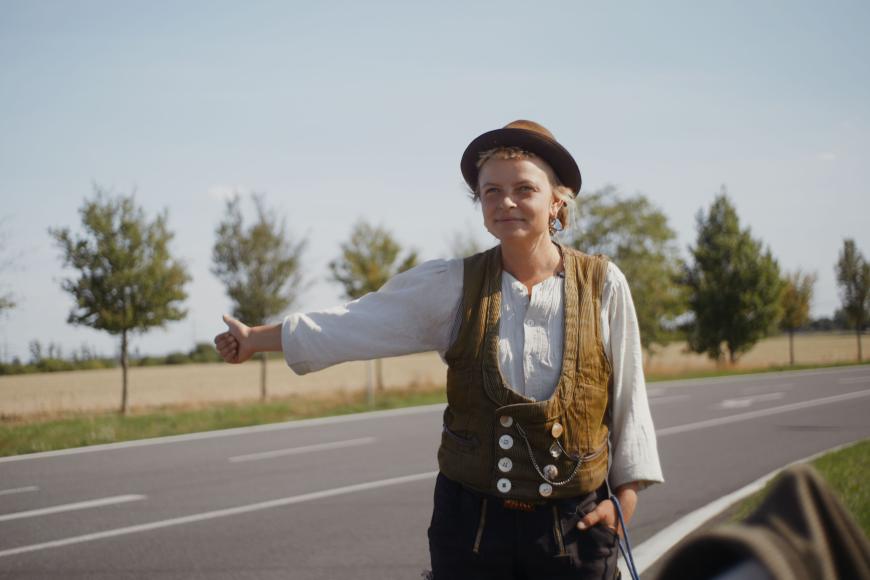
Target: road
351 497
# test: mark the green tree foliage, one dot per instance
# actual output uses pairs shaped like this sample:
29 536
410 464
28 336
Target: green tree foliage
636 236
853 277
734 287
260 266
367 261
797 295
464 243
127 280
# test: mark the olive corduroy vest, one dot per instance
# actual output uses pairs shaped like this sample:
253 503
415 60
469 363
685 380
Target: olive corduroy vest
498 441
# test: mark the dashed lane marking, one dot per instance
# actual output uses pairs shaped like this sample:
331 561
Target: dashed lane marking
305 449
68 507
18 490
284 501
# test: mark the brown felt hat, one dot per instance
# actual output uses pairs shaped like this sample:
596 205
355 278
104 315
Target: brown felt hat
528 136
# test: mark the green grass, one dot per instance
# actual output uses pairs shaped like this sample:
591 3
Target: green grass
846 471
30 435
76 431
655 377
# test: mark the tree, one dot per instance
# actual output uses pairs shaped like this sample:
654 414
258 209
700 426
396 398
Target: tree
7 300
464 243
853 276
796 298
636 236
127 280
734 287
368 260
260 266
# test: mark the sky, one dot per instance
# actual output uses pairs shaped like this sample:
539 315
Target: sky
342 111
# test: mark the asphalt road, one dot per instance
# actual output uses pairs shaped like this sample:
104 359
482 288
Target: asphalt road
351 497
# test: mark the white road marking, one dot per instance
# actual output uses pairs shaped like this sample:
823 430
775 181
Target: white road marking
388 413
743 402
305 449
18 490
284 501
67 507
759 413
231 432
853 380
647 553
668 398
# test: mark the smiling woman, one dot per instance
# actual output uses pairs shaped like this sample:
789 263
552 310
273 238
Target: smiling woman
547 408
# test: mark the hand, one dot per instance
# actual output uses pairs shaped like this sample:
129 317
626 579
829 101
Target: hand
605 512
234 345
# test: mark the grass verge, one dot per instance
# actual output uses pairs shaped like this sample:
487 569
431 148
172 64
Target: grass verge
34 434
726 372
93 429
846 471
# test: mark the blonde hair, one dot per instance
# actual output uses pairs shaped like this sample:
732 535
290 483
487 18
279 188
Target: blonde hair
561 192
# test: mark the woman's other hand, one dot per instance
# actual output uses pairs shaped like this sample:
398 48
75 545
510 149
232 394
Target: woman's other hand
605 512
234 345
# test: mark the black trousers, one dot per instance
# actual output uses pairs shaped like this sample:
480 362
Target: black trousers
475 536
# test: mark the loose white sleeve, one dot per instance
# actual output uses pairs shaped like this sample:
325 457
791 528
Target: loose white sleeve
413 312
635 454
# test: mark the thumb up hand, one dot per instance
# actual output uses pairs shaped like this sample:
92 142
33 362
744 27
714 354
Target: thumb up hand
234 344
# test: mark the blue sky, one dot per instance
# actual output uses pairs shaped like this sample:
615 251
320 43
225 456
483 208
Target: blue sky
339 111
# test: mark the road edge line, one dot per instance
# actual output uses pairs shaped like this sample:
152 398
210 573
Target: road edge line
650 551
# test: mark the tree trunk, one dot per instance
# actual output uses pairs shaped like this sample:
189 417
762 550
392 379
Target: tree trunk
262 376
379 374
124 372
370 383
791 347
858 335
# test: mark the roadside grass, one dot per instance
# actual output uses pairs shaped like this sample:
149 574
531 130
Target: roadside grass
31 436
726 372
846 471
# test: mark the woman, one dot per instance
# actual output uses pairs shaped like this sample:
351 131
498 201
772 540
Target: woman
545 388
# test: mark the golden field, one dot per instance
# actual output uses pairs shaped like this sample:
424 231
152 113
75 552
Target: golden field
99 390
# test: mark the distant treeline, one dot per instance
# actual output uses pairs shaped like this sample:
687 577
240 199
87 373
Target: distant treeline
50 359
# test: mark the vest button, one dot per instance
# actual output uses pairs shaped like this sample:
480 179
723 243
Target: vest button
505 442
503 485
506 421
557 430
505 464
551 471
545 489
555 450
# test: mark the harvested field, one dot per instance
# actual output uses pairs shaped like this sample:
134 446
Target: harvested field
50 394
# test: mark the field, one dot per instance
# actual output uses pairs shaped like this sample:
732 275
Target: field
51 394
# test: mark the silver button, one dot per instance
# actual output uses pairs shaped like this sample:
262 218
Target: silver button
545 489
555 450
557 430
506 420
503 485
551 471
505 464
505 442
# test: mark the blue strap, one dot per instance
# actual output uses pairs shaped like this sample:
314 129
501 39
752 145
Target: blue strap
625 547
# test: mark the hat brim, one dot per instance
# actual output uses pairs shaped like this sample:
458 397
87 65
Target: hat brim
547 149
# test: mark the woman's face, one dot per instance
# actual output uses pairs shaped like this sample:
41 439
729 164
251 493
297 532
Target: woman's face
517 199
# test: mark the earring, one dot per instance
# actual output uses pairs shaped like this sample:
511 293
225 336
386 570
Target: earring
555 226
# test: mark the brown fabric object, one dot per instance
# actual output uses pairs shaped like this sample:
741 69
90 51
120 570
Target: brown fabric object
477 396
800 532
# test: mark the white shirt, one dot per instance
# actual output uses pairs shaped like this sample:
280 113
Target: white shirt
418 311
